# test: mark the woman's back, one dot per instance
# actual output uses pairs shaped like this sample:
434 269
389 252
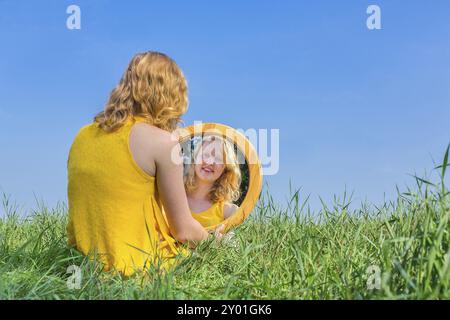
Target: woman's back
113 207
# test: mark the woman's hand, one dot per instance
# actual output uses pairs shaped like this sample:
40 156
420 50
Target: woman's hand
218 232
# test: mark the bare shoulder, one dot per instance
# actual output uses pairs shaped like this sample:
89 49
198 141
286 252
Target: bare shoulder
229 209
150 132
150 145
153 137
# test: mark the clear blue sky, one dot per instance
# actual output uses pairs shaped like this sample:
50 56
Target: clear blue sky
356 109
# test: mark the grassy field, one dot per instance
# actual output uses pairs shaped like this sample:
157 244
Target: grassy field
397 251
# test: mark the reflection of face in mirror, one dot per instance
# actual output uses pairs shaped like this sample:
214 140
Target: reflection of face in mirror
213 178
209 163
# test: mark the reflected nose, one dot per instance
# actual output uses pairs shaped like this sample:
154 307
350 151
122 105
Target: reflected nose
208 160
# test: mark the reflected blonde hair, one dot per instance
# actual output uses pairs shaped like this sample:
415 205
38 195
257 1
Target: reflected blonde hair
152 87
226 187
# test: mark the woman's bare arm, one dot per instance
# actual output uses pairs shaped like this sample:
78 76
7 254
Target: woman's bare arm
169 177
157 153
229 209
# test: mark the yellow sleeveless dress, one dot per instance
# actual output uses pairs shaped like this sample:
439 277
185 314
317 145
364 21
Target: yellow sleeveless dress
114 209
210 217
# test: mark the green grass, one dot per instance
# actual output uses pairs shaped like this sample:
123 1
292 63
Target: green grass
279 253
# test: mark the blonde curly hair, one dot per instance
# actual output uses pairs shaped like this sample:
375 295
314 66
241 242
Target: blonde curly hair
226 187
152 87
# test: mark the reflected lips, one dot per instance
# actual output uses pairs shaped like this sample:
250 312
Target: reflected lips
207 169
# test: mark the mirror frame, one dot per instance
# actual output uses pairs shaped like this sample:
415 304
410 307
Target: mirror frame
251 157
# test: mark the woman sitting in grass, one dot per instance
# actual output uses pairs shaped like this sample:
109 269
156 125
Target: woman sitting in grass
122 170
212 181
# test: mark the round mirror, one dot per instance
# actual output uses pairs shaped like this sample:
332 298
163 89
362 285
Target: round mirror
225 158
